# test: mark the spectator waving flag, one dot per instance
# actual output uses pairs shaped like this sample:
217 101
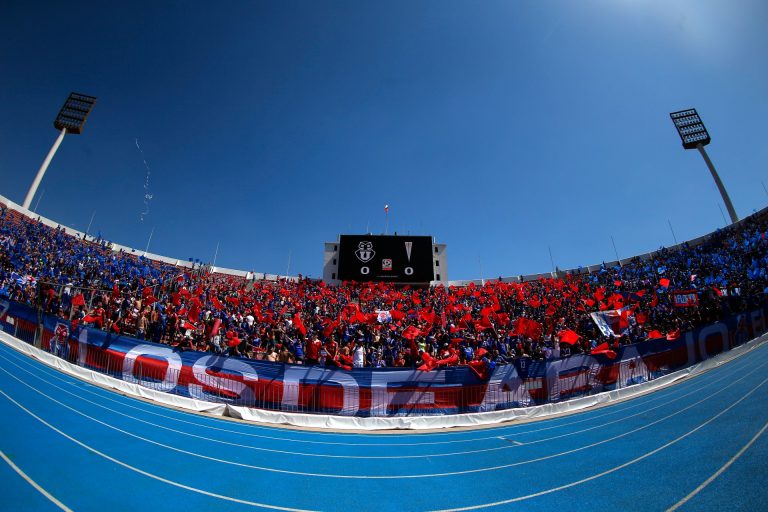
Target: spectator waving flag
299 324
613 322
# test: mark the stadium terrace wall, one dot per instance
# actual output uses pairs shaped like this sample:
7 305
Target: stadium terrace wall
374 392
274 277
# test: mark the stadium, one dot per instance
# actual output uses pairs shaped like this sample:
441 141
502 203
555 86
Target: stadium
403 378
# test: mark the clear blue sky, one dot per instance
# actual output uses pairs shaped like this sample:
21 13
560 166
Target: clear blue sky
501 128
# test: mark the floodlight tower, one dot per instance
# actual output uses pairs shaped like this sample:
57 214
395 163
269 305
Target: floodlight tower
70 119
695 136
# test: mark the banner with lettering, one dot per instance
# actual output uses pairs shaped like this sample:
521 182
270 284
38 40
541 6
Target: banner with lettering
375 392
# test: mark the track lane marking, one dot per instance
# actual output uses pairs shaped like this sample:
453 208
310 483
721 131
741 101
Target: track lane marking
365 457
385 477
611 470
34 484
720 471
146 473
371 444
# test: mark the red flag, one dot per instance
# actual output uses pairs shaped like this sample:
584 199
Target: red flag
604 349
527 327
396 314
329 327
655 335
215 328
429 362
217 303
430 317
483 324
194 311
664 282
411 332
299 324
78 300
568 336
480 367
600 293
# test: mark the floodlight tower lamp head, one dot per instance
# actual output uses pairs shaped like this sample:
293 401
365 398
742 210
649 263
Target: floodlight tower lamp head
74 113
690 128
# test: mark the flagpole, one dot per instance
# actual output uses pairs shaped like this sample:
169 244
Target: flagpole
722 214
43 193
480 264
672 230
216 254
88 229
615 251
288 268
386 220
149 240
551 259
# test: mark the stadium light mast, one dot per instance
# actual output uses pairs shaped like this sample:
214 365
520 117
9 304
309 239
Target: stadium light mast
695 136
70 119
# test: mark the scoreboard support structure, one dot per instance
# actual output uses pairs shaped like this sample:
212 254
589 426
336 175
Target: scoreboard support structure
398 259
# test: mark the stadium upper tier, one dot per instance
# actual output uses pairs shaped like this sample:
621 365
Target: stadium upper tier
288 319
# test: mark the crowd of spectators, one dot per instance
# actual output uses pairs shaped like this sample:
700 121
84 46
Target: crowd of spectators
352 325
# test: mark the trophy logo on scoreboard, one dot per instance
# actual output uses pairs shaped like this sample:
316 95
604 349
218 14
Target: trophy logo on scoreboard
386 264
365 252
408 247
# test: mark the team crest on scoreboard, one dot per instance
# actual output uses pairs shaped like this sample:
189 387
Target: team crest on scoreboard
386 264
365 252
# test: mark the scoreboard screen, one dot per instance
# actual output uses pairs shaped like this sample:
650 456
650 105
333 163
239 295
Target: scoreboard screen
396 259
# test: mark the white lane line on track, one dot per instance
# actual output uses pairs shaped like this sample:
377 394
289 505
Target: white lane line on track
591 418
719 472
366 457
387 477
145 473
34 484
613 469
78 385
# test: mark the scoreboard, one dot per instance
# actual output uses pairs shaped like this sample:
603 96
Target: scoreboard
396 259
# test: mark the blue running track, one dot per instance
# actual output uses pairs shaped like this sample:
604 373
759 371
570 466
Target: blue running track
698 445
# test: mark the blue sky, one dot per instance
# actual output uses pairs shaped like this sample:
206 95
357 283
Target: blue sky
504 129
